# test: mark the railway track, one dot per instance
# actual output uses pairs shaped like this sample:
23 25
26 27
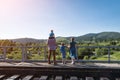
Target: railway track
58 73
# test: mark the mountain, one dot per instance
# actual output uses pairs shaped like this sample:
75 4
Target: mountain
87 37
108 35
97 36
27 40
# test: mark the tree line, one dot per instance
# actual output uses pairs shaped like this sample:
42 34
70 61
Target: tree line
38 53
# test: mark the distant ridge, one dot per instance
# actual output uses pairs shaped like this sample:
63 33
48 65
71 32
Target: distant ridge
97 36
27 40
87 37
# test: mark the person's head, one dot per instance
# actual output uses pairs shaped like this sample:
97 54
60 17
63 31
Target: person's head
51 30
62 44
51 37
72 39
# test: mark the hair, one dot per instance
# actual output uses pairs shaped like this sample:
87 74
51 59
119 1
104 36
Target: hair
62 43
51 30
51 37
72 38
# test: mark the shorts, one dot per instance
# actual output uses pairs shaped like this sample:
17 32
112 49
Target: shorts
52 47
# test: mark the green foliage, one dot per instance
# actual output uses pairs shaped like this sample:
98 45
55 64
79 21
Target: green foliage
58 57
68 56
61 39
102 51
83 53
14 55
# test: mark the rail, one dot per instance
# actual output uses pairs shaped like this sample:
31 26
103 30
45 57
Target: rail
57 73
39 53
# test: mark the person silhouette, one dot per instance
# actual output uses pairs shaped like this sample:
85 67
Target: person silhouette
51 42
72 49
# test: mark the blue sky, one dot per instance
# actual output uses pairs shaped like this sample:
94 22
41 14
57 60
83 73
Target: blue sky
35 18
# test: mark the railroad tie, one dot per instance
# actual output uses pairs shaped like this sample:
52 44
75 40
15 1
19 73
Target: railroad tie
43 78
73 78
104 78
28 77
89 78
14 77
58 78
2 77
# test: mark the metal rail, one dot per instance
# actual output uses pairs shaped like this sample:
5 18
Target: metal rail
25 53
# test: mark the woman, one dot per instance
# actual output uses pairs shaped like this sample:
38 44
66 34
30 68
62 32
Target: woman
73 50
52 48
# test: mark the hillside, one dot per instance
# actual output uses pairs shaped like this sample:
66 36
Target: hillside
97 36
27 40
100 36
87 37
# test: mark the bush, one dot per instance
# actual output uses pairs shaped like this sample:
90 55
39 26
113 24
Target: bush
82 52
68 55
10 56
58 57
101 51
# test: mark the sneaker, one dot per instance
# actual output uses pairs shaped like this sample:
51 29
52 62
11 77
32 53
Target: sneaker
72 62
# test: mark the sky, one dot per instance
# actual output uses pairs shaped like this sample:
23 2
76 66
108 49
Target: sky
35 18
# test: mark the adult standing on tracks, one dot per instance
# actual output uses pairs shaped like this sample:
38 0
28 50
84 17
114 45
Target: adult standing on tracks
72 47
52 49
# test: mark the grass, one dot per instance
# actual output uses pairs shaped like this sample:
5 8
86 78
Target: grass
116 55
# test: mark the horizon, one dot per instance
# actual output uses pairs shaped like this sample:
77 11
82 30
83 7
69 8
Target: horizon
58 36
35 18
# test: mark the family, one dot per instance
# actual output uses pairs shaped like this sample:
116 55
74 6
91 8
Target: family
51 42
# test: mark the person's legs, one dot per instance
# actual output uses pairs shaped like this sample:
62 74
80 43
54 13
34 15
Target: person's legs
49 56
64 61
73 61
72 53
64 58
54 57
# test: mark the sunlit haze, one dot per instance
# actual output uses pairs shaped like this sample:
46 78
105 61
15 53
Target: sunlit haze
35 18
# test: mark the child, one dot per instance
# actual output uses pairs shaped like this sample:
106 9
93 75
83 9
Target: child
52 34
63 53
